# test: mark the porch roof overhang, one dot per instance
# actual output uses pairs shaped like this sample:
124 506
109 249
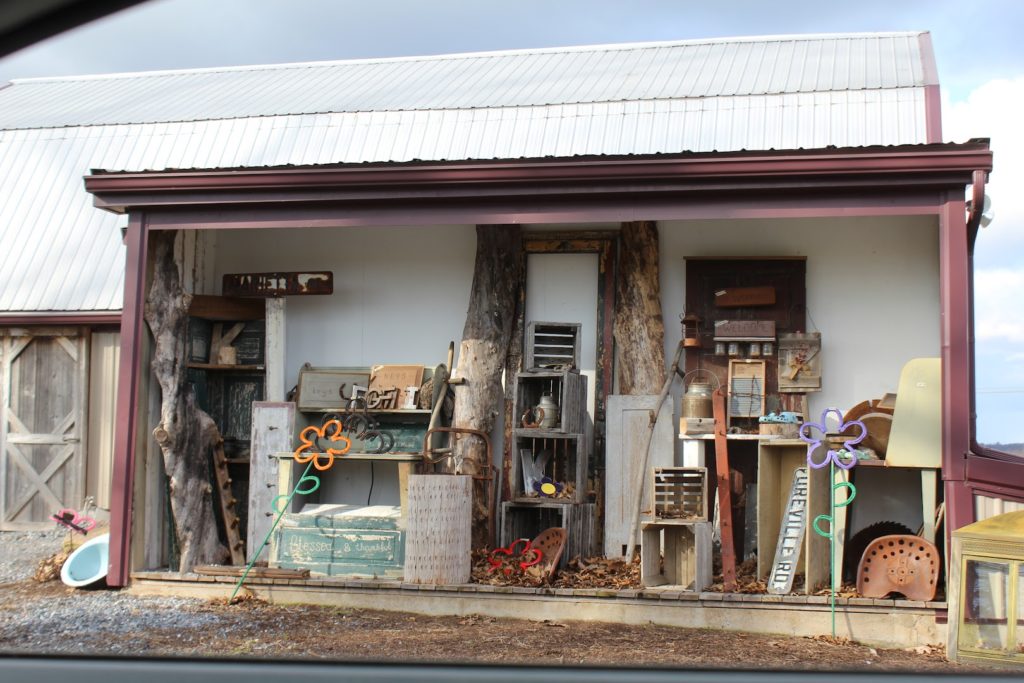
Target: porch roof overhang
900 180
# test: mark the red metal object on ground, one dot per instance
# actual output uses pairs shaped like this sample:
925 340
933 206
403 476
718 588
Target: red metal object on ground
724 493
530 556
72 520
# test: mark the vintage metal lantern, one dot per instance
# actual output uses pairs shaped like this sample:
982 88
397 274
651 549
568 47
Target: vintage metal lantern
986 602
691 331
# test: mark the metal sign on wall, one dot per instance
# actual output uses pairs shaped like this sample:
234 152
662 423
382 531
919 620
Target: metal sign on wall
278 284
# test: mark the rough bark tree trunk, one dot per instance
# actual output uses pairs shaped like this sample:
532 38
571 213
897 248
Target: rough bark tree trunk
482 353
639 328
185 434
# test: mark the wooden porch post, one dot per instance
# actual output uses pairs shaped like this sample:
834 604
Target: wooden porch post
123 470
485 343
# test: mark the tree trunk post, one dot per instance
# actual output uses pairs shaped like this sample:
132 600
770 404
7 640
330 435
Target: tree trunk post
185 434
639 327
490 320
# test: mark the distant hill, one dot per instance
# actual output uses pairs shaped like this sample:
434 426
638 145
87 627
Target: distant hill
1014 448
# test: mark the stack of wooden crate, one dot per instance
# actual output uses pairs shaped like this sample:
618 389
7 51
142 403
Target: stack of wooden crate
678 527
553 454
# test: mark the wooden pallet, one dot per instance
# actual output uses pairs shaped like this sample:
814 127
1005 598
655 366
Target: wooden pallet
227 505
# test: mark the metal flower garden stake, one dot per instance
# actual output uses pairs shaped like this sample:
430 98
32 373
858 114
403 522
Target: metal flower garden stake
844 458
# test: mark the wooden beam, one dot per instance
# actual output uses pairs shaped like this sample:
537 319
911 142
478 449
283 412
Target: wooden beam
724 493
226 308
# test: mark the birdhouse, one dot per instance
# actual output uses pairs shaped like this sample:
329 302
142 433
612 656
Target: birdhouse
986 602
691 331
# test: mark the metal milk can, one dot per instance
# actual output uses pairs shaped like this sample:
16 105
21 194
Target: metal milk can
550 408
697 400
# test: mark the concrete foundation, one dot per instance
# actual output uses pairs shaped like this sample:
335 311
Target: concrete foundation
885 623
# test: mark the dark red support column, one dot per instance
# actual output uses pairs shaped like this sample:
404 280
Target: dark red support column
127 400
956 361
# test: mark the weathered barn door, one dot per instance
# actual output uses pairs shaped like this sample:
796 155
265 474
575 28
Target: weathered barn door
43 376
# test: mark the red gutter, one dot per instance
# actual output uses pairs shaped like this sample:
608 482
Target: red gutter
751 167
59 318
956 368
123 475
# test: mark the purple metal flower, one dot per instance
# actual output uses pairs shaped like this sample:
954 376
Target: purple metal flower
832 455
548 487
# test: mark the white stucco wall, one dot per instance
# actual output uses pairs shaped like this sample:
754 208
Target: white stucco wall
872 290
400 294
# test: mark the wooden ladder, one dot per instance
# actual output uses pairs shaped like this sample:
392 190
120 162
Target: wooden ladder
227 504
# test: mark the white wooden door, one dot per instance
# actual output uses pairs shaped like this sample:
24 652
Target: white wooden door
43 376
629 419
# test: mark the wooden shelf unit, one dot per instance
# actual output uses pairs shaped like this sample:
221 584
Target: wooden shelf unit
777 460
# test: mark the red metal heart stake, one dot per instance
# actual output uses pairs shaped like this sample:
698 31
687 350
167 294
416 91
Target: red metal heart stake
528 555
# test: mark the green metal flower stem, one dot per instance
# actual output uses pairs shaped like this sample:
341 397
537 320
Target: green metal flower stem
277 519
832 538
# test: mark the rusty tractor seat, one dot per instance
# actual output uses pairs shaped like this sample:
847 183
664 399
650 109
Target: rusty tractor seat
551 542
899 563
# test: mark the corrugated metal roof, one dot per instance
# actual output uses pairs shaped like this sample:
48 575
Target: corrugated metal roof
57 252
522 78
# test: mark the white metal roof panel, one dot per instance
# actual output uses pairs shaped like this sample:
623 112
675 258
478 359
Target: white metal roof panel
521 78
59 253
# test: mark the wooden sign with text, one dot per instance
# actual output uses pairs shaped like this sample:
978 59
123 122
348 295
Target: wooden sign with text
791 536
278 284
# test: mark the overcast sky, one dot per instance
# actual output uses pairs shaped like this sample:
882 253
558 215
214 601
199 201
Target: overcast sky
978 47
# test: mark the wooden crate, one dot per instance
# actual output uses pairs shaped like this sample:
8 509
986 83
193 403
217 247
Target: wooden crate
687 555
527 521
569 390
680 495
552 345
565 463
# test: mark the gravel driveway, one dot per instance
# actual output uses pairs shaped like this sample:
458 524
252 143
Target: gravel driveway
20 552
53 618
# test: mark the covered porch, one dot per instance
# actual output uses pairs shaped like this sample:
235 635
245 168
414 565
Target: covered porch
881 234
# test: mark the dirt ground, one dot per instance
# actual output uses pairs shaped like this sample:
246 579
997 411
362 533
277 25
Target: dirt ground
51 618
